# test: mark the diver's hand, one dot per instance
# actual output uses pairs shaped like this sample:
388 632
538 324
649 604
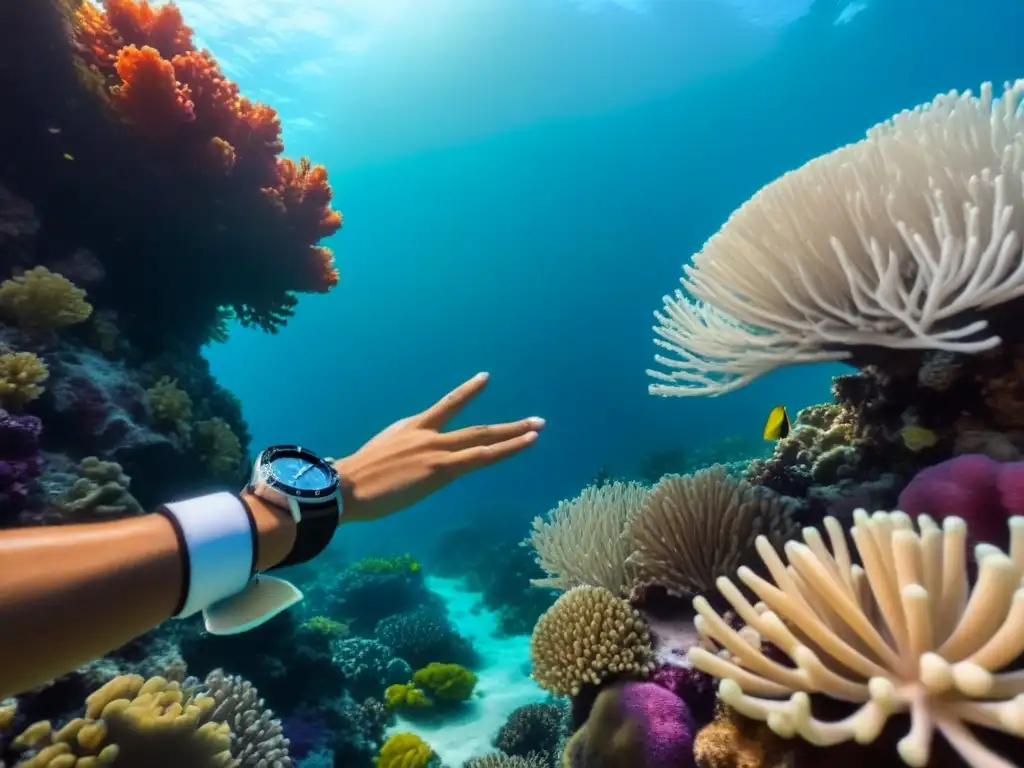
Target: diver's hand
413 458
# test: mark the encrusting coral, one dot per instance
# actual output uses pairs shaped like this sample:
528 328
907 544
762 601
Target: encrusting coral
100 492
901 633
692 529
587 636
896 241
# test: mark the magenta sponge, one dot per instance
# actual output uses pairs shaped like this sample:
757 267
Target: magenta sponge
632 725
982 491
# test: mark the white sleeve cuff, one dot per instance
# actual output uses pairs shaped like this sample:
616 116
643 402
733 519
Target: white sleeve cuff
218 539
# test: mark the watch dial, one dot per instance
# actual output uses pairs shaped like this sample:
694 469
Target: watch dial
300 473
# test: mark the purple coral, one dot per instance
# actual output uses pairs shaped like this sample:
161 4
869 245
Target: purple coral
982 491
634 724
20 464
697 689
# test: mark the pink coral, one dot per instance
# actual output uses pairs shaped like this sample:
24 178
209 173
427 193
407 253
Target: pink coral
982 491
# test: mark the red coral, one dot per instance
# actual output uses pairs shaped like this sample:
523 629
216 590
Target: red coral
150 97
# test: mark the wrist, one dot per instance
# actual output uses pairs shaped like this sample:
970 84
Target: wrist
348 474
275 529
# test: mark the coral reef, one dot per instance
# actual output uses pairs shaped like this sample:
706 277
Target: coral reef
135 105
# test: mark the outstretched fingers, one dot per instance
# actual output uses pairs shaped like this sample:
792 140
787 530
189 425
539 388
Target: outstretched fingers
449 406
479 456
489 434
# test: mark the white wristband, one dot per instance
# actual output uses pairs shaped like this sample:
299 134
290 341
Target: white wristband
218 537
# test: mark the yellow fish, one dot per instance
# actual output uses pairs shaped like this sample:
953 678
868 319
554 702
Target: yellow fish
67 156
777 426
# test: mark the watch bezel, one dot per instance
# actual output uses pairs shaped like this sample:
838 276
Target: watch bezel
265 472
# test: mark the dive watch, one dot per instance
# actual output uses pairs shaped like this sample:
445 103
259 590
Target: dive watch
308 487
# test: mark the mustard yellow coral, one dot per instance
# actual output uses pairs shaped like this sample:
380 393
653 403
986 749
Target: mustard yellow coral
450 682
134 723
41 301
219 447
405 696
406 750
21 377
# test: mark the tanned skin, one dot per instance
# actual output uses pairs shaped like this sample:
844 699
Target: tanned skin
69 594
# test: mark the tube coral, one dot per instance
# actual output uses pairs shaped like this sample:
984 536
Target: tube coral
904 633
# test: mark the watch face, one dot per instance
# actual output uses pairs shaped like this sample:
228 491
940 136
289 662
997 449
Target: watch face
298 472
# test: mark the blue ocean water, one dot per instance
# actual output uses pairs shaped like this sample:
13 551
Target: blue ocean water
522 181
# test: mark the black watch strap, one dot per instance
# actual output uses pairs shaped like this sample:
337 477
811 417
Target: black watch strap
314 531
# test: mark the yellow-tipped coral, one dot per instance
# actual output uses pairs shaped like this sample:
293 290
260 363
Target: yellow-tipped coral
21 377
134 723
406 750
41 301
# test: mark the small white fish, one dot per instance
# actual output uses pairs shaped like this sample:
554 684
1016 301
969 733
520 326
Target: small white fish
262 599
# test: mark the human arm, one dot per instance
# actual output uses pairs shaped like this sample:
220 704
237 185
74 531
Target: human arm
69 594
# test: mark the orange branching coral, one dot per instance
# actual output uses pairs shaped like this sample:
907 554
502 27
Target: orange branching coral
139 23
150 97
96 37
165 88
